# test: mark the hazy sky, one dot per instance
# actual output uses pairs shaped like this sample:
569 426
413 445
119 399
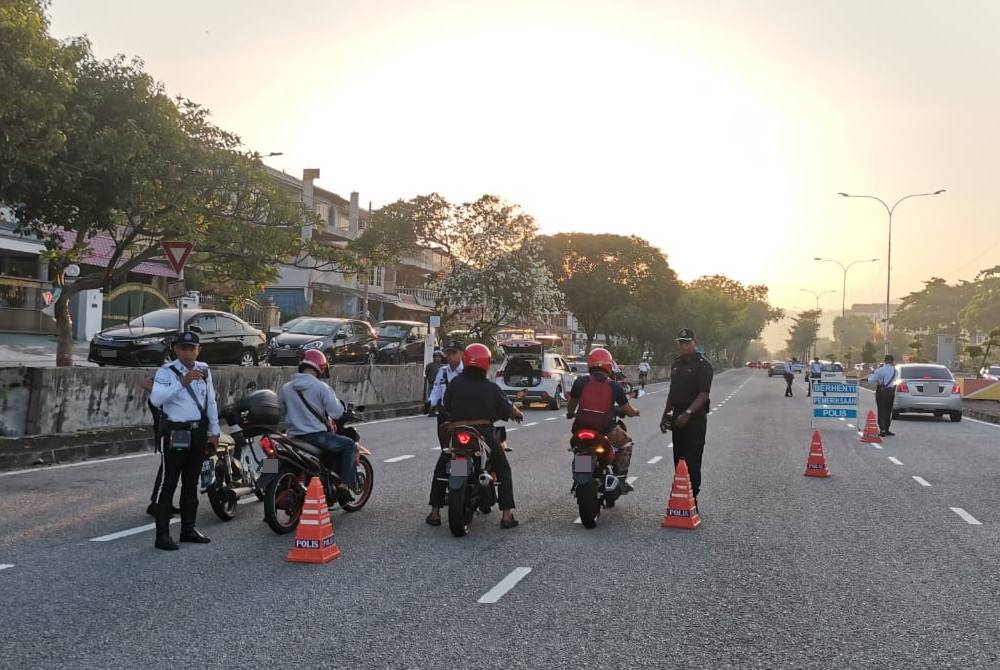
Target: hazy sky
719 130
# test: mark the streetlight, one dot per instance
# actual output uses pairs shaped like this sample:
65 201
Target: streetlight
843 301
888 270
817 296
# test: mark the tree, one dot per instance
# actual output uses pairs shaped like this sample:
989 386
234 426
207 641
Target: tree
802 334
982 313
934 308
851 331
869 352
599 274
140 168
757 351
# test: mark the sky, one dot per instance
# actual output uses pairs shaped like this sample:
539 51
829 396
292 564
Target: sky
721 130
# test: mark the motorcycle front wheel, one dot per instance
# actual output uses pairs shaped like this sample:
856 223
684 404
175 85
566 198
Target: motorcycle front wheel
362 490
590 506
283 501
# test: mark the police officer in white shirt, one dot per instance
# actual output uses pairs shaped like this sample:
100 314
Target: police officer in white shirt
452 368
183 390
885 394
815 372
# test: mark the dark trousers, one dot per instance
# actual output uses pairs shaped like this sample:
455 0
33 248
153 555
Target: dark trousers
497 463
812 376
884 398
789 380
689 444
183 465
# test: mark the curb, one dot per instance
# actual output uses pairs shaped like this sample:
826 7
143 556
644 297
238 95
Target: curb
41 450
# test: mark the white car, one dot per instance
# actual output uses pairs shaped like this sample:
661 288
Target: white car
527 374
991 372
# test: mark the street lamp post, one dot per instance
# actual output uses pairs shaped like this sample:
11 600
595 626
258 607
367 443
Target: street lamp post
817 295
888 271
843 295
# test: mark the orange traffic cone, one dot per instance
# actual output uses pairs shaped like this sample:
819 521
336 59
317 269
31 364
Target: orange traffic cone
681 510
816 466
871 433
314 541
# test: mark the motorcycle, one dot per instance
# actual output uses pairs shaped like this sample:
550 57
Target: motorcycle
472 486
291 463
594 480
237 459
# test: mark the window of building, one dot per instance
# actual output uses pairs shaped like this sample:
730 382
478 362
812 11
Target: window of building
323 211
375 276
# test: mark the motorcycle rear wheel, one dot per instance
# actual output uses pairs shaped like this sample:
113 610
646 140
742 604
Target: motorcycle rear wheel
460 511
283 502
590 506
362 490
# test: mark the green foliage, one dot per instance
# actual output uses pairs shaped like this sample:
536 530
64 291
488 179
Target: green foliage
852 331
936 307
802 334
869 352
982 313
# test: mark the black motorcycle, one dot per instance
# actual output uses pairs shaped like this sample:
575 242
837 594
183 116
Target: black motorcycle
291 463
472 486
238 458
595 482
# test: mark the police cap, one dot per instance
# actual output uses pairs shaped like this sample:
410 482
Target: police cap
187 337
685 335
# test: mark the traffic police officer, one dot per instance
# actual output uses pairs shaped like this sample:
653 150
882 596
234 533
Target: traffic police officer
885 394
686 412
183 390
446 374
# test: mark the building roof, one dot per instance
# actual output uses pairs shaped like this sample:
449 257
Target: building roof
102 249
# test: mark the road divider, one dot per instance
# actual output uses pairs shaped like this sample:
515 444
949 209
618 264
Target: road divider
505 585
968 518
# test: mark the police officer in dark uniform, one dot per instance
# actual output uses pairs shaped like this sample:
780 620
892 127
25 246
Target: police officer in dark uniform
472 397
183 390
686 412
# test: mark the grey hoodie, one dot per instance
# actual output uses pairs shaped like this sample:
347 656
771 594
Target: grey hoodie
320 397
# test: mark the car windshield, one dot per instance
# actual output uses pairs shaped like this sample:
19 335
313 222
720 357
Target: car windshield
924 372
313 327
393 330
161 318
994 370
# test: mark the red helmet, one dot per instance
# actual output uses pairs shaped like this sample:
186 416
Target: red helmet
476 356
317 361
600 358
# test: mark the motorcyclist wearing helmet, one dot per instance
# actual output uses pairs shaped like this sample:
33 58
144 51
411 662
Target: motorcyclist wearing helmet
472 397
598 405
311 407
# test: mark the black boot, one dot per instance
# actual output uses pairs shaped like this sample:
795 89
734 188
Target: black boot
163 539
189 512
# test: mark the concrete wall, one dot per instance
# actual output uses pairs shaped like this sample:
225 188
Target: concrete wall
43 401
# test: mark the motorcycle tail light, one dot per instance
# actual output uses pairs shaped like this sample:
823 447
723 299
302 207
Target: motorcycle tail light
903 388
464 438
265 444
586 434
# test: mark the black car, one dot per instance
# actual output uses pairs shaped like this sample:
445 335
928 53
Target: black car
146 340
400 341
342 340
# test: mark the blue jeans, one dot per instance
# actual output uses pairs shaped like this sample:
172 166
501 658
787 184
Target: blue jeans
337 448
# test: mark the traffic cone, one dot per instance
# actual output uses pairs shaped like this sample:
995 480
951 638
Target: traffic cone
871 432
314 541
681 510
816 466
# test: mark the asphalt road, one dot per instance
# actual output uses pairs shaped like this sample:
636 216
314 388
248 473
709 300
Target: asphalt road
870 568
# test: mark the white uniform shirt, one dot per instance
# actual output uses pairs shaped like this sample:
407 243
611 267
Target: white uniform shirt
816 368
644 367
444 376
177 404
884 375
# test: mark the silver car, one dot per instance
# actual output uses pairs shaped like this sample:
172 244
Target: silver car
925 388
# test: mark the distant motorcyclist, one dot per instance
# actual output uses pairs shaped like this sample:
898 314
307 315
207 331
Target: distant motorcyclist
311 408
592 403
472 398
644 369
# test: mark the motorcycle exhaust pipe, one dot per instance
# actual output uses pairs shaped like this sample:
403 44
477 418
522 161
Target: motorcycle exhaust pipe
243 491
610 483
485 479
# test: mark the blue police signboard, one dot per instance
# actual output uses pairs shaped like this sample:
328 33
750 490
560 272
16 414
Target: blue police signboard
835 400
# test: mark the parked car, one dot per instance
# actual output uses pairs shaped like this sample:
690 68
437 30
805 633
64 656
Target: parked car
991 372
278 330
529 375
927 388
400 341
777 369
147 340
577 364
825 366
344 341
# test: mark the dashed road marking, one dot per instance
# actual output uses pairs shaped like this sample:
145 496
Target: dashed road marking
631 480
397 459
654 460
4 566
893 459
73 465
969 519
533 423
131 531
505 585
921 481
578 520
552 418
511 430
670 446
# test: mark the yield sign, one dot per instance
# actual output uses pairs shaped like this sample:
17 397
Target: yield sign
177 254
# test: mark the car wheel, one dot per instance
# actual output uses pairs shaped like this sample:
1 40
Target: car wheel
955 417
248 358
556 403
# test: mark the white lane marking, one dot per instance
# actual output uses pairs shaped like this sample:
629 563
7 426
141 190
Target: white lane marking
511 430
670 446
533 423
435 448
921 481
893 459
397 459
969 519
631 480
398 418
131 531
877 446
247 500
654 460
578 520
505 585
965 418
72 465
552 418
851 425
4 566
842 419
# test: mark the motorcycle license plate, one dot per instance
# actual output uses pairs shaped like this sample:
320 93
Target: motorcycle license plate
459 468
270 466
583 463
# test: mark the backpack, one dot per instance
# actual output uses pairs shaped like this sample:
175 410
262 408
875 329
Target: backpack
596 406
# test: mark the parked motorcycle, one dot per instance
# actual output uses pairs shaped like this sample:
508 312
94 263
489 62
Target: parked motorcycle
472 486
291 463
237 459
594 480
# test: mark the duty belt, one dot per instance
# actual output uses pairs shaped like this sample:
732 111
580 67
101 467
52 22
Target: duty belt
183 425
